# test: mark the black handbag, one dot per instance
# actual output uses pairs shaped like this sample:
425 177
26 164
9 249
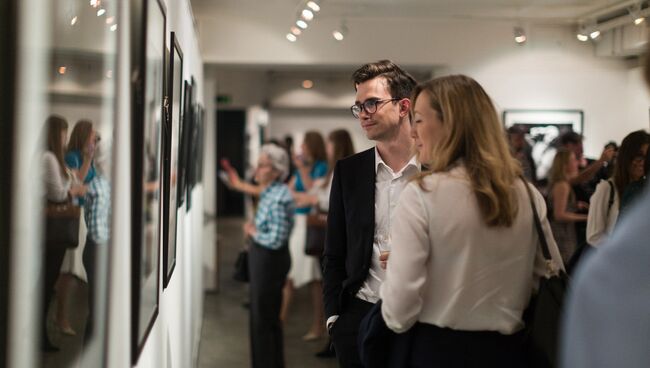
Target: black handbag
544 312
62 225
316 232
241 267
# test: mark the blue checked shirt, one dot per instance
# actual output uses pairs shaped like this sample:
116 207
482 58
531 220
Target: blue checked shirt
274 216
97 208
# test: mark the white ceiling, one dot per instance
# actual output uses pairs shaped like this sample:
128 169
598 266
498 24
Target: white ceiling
545 11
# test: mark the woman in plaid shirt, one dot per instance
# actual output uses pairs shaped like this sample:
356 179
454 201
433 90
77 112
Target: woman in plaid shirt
268 258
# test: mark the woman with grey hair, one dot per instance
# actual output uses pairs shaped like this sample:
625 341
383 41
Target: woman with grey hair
268 256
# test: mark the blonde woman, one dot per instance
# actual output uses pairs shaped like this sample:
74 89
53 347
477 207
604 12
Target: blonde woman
465 256
562 202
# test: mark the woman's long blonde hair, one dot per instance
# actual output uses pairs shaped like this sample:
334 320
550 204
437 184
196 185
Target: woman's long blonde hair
557 172
474 134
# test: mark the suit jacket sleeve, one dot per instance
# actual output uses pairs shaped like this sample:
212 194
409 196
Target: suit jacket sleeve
334 272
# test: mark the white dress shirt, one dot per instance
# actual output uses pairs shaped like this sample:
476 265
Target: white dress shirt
448 268
388 187
601 220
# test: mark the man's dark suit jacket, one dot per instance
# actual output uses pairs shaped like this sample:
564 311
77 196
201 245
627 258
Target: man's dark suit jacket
350 230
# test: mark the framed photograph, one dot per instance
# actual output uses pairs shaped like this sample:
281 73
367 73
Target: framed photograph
148 64
184 160
190 128
200 137
541 129
171 169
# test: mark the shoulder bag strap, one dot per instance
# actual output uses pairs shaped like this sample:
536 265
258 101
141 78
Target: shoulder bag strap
538 223
611 196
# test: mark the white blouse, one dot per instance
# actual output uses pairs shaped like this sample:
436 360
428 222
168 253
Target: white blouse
449 269
56 184
601 220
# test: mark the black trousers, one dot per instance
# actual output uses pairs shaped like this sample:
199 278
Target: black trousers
443 347
52 262
90 261
345 331
268 271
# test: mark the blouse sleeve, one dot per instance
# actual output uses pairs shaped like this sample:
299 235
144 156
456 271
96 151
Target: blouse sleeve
56 185
406 271
324 195
597 218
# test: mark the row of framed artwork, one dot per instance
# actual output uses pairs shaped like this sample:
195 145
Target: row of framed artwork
167 158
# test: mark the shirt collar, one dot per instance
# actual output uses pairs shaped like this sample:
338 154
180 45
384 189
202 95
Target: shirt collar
412 162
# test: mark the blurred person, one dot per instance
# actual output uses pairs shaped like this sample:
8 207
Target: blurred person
462 279
522 151
562 203
269 259
338 146
310 165
365 188
96 207
605 203
606 319
59 187
633 191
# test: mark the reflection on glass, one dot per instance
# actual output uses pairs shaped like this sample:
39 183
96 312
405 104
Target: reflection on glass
76 175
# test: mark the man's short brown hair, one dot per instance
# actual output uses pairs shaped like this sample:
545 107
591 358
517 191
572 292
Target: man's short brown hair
400 83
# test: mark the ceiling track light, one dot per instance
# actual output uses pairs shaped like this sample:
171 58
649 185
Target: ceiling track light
341 32
302 24
307 15
520 35
313 6
594 34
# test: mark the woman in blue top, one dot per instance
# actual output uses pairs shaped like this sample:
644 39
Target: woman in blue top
269 259
80 261
311 165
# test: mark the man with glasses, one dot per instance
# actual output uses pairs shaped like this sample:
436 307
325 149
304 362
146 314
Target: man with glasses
365 190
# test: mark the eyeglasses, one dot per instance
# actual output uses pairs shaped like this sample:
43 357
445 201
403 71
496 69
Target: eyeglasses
370 106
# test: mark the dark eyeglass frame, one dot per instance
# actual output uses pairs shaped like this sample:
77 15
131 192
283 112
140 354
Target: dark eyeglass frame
370 106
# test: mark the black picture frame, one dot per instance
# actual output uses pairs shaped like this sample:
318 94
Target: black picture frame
8 37
148 24
184 143
542 128
190 128
172 152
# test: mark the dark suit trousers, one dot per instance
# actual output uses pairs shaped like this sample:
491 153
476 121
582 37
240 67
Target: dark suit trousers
346 330
433 346
268 270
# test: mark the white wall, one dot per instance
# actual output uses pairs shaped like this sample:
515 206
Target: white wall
173 340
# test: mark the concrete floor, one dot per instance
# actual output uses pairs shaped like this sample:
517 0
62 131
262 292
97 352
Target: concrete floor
225 339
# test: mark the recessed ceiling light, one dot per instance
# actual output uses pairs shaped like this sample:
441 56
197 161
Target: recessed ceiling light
101 12
114 28
74 20
338 35
63 70
291 37
307 84
594 34
582 37
296 31
639 20
110 20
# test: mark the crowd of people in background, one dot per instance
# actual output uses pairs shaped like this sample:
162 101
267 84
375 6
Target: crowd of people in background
435 221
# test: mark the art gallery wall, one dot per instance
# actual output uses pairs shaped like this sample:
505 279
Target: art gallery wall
174 338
